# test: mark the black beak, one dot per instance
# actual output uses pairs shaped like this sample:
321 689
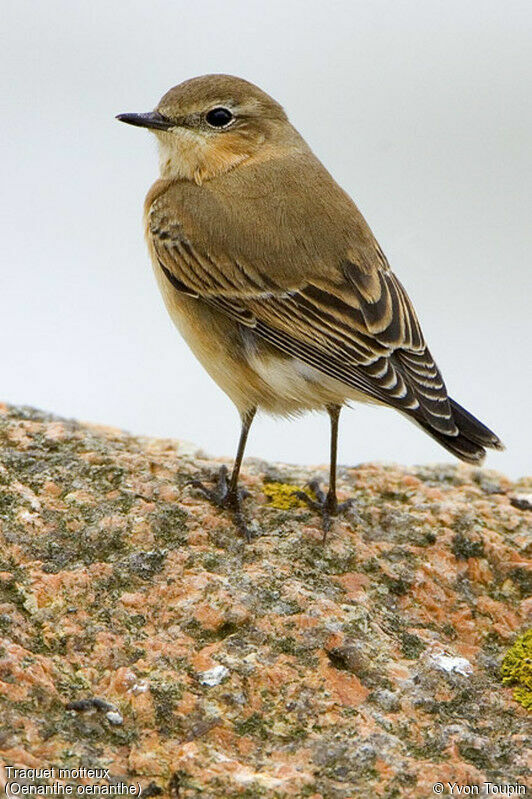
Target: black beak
150 120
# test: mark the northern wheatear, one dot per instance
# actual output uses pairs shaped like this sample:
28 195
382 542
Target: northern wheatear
275 280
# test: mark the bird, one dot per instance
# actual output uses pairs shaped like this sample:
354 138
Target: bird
276 282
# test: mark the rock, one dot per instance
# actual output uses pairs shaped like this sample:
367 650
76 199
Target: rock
213 676
197 665
114 717
452 664
522 501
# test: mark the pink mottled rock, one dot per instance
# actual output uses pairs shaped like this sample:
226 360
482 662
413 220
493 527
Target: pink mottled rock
140 633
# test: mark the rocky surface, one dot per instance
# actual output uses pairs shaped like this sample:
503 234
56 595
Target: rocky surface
140 634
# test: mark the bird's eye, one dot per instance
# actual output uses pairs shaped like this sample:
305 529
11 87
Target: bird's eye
219 117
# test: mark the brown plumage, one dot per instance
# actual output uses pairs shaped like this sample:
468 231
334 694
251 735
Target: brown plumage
273 276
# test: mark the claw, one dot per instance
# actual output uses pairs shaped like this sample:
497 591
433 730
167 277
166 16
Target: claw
305 498
343 506
325 504
223 498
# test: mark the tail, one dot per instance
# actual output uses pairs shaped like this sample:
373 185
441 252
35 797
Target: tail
473 437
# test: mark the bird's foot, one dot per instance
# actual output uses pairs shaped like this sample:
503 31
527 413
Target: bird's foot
326 505
226 498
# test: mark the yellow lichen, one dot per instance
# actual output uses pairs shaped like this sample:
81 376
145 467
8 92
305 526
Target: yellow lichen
283 496
517 668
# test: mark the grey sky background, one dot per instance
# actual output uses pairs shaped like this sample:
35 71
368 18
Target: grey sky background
421 111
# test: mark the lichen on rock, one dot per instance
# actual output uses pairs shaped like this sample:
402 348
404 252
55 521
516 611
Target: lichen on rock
140 633
516 669
283 496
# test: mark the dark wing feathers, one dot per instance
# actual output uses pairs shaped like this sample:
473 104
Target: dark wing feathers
355 324
178 284
473 429
360 329
472 436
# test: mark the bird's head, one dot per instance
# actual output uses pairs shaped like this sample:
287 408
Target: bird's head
208 125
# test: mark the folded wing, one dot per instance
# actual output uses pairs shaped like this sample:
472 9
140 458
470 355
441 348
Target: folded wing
354 323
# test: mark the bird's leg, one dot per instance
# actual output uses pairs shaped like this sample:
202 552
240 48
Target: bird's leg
327 504
227 494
